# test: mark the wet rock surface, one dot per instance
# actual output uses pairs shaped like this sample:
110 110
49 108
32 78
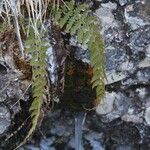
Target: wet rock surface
97 134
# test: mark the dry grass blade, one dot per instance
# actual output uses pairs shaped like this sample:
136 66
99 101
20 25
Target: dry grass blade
11 8
36 14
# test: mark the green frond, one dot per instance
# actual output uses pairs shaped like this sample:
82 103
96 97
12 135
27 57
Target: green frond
80 34
38 80
78 20
35 110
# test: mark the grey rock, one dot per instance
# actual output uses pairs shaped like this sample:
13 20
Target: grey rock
5 120
140 39
59 130
148 51
114 76
95 140
3 96
113 35
30 147
142 75
144 63
125 147
106 16
122 2
142 92
11 92
81 54
137 14
147 104
46 143
117 65
147 115
132 118
107 105
122 121
72 143
114 58
115 105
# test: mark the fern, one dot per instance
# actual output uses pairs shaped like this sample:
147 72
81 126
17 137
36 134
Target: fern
77 19
37 50
74 19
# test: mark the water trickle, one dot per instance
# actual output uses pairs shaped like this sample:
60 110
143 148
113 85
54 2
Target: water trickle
79 122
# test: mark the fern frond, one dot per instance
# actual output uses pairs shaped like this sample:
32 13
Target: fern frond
79 21
38 51
98 63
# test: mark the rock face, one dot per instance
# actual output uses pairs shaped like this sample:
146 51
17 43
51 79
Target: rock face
14 88
4 118
122 122
128 36
6 92
126 30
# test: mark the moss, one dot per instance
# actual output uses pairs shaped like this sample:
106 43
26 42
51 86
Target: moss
78 92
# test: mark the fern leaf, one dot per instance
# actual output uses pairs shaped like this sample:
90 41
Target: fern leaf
65 18
71 22
57 15
35 116
77 20
70 5
38 83
76 26
80 34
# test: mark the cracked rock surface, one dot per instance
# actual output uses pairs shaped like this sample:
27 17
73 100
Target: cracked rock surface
123 121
